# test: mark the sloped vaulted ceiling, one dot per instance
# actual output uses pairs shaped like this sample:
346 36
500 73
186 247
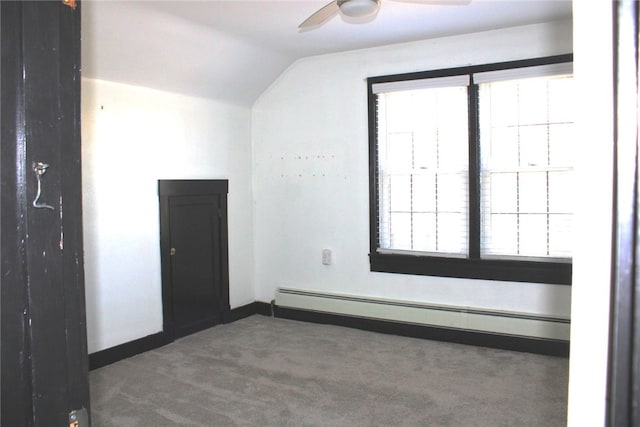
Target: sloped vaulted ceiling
137 44
232 50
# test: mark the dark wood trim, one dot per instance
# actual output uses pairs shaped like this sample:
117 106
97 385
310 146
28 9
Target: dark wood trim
129 349
192 328
150 342
44 344
446 72
505 270
71 182
238 313
504 342
247 310
474 173
374 181
265 309
223 186
623 404
165 260
15 361
192 187
472 267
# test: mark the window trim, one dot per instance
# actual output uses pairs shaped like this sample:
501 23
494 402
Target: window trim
473 267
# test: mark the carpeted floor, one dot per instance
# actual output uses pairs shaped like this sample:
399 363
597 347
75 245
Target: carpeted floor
262 371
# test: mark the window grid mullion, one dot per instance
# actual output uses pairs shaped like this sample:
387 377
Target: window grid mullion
548 214
548 136
390 221
436 191
411 189
518 213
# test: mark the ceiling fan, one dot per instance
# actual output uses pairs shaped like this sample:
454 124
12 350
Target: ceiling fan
360 9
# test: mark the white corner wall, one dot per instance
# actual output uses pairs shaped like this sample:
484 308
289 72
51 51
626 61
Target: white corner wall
593 71
310 175
131 137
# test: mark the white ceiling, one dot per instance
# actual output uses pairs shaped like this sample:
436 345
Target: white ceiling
231 50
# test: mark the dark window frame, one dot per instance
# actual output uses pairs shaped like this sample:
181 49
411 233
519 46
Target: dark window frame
473 267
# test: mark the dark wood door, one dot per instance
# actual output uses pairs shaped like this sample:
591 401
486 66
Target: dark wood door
44 349
194 261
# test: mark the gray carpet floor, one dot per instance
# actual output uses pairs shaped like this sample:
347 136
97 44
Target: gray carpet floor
262 371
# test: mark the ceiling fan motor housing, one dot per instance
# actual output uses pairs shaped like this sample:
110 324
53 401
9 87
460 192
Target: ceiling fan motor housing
358 8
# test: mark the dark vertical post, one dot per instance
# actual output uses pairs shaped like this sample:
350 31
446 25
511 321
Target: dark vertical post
474 174
15 367
44 345
622 405
374 189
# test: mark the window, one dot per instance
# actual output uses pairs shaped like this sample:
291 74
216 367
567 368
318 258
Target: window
471 171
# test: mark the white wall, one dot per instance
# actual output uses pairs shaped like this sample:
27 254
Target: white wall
311 184
131 137
592 261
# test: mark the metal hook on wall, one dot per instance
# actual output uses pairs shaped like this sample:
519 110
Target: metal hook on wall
40 168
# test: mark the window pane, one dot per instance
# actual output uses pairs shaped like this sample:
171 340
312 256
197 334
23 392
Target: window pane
398 118
533 146
424 193
400 231
501 234
424 232
400 152
452 236
560 235
422 148
532 192
425 149
499 96
561 100
384 218
502 191
400 193
560 192
452 148
561 144
502 144
532 101
533 235
452 193
526 166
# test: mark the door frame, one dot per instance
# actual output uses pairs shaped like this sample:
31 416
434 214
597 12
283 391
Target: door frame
623 397
44 366
168 188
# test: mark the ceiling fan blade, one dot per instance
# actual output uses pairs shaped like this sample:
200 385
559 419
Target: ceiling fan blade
321 16
439 2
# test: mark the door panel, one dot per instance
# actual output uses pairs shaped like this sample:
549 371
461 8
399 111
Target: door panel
194 254
195 263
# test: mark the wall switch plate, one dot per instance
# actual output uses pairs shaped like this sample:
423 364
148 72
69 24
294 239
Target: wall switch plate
326 256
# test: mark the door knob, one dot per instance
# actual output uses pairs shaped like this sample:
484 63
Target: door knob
172 252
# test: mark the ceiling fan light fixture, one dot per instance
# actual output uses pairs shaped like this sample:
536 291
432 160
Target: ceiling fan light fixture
358 8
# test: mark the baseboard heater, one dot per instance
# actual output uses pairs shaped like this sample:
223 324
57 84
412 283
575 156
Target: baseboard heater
531 325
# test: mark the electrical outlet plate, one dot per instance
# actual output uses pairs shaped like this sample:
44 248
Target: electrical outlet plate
326 257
